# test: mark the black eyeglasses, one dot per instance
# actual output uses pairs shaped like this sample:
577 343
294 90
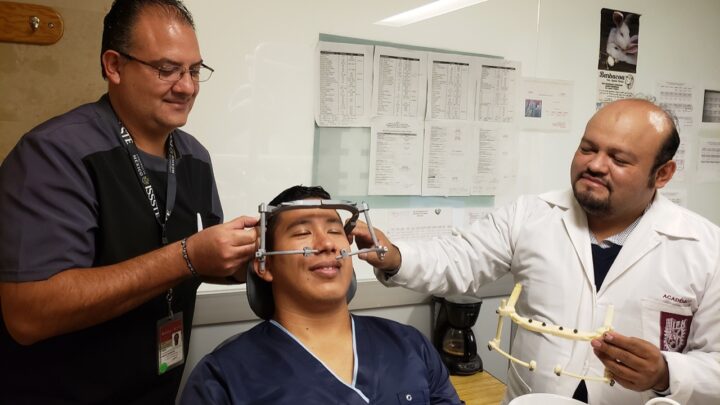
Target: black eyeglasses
174 73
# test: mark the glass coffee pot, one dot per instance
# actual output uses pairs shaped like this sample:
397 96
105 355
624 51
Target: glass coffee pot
453 336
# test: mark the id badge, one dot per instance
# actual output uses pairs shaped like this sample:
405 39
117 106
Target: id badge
170 343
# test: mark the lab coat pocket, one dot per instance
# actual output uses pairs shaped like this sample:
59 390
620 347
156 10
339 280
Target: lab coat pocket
413 397
666 325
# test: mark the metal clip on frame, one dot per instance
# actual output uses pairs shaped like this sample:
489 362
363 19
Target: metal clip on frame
267 211
507 309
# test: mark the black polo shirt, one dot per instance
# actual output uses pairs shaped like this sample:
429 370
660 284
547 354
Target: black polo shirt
69 198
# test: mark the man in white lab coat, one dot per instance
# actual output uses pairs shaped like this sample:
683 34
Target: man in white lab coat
610 240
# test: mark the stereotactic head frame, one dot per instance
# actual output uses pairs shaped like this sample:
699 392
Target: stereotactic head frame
267 211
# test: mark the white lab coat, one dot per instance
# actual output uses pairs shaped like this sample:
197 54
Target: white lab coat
668 267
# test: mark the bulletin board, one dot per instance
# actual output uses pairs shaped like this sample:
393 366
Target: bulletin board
344 155
340 156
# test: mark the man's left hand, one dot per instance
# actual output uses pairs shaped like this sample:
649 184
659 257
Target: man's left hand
634 363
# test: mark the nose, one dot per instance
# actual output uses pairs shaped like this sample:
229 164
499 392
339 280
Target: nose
186 85
598 163
325 243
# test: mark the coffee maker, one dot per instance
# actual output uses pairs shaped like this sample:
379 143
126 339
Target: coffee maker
453 336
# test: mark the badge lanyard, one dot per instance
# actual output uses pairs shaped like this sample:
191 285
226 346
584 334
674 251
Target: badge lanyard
170 339
144 179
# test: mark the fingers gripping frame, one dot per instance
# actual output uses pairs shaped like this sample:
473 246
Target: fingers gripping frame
267 211
507 309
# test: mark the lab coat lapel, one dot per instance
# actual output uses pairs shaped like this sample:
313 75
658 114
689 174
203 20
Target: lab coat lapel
656 224
575 222
642 240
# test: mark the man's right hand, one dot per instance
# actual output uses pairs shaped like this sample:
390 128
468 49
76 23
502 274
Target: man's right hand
219 251
392 259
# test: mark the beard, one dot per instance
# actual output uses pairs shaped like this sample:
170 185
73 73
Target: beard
592 205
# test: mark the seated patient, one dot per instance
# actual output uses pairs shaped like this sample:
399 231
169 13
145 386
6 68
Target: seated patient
310 349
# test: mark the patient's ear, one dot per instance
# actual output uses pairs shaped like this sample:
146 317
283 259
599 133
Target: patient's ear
266 274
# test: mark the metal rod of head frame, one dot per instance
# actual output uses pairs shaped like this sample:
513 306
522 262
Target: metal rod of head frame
507 309
266 211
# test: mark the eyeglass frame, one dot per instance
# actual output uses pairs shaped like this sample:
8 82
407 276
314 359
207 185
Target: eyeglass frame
161 70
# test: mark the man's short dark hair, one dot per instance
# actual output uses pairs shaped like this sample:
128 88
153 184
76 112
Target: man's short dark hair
120 21
668 148
670 145
293 193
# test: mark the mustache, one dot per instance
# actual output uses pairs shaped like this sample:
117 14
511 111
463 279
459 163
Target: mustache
590 175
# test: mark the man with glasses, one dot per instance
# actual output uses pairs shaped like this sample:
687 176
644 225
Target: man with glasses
102 247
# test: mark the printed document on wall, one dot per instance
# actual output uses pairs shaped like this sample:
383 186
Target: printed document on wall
466 217
547 105
612 86
681 159
396 149
447 154
407 224
344 85
677 98
399 83
414 223
493 157
450 87
708 159
496 93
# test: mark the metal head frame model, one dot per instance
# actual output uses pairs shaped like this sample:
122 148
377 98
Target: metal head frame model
507 309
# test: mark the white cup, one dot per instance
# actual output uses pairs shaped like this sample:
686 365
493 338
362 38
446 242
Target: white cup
554 399
544 399
662 401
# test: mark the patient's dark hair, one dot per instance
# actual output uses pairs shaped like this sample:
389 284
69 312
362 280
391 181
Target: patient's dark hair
293 193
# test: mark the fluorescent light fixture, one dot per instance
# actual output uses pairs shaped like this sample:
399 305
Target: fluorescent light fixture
430 10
